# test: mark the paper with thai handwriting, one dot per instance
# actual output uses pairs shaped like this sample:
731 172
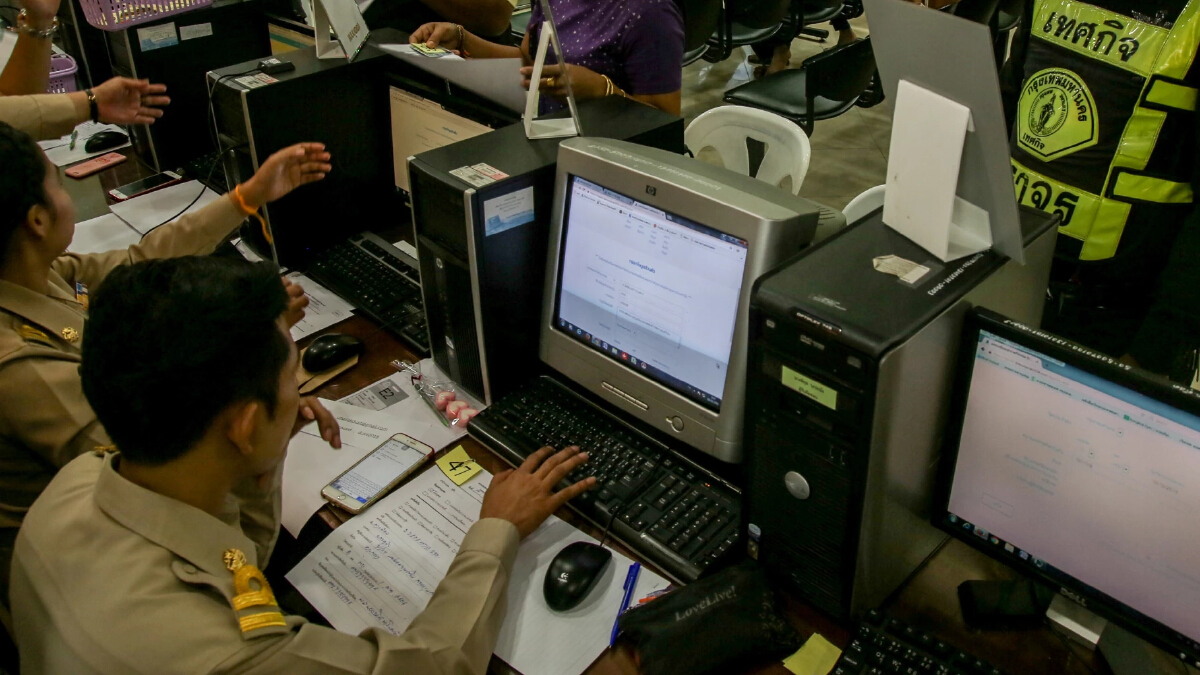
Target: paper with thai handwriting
311 463
324 307
148 211
104 233
380 569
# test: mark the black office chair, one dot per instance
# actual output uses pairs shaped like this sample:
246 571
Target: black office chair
824 86
701 19
746 22
813 12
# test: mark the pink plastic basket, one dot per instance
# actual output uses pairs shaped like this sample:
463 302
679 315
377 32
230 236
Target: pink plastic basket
113 15
62 74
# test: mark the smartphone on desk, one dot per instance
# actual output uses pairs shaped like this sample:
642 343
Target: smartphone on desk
141 187
377 473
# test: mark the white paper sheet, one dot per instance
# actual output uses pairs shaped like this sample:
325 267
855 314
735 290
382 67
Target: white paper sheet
311 463
59 151
104 233
148 211
324 308
497 80
380 569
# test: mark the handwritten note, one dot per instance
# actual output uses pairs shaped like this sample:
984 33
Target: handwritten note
458 466
380 569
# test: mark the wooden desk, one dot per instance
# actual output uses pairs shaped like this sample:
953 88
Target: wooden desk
929 600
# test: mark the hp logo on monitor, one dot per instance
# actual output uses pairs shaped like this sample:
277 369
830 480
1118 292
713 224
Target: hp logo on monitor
651 190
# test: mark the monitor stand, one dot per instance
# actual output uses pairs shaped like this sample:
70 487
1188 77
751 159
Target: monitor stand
1125 653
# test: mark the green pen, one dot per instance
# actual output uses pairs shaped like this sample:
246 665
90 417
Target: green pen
74 135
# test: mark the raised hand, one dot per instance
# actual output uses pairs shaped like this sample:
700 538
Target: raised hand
122 100
285 171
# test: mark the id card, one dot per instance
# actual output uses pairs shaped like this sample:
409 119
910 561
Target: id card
433 52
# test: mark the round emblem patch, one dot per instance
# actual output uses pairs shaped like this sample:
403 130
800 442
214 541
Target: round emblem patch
1056 115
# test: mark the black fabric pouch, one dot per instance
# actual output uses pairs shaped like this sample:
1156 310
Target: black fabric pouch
729 619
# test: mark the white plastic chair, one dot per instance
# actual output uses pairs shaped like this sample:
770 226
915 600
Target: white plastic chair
866 202
725 130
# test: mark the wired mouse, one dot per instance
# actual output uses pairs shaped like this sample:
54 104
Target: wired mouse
329 350
105 140
573 574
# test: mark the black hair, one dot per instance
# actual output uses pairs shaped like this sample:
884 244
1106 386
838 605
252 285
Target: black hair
170 344
22 180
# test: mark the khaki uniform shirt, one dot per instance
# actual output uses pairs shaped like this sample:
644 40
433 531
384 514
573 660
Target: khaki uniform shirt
45 421
43 116
109 577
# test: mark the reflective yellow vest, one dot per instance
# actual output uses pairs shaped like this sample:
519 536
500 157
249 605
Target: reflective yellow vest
1105 122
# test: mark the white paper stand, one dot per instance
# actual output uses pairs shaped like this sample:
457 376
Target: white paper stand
928 134
548 128
344 17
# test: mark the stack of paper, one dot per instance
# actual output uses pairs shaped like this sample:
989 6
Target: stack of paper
106 233
381 568
148 211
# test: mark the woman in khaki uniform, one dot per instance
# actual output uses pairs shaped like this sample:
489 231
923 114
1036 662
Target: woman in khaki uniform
45 421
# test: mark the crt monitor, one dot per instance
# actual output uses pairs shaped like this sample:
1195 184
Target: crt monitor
651 263
1082 473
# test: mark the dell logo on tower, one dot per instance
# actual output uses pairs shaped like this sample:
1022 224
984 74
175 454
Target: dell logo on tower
651 190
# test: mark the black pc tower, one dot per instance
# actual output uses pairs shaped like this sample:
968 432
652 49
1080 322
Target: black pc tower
481 216
228 32
848 384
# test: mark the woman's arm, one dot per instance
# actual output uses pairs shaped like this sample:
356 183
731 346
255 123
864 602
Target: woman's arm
454 37
28 69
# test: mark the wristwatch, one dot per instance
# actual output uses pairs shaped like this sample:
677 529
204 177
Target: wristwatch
92 105
23 27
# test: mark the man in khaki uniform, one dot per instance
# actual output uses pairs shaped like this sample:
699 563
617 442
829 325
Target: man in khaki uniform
147 560
117 101
45 421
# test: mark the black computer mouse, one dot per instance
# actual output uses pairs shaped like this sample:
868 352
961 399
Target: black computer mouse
105 140
573 573
329 350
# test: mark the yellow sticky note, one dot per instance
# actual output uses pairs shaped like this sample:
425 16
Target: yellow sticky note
458 465
816 657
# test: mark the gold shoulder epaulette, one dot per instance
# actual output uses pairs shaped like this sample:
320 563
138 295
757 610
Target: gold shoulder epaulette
249 602
30 334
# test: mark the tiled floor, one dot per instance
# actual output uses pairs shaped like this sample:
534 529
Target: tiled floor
849 152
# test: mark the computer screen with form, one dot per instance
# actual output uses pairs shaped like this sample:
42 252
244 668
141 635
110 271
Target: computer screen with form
1083 479
653 291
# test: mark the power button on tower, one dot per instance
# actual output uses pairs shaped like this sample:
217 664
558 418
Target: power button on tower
796 484
676 423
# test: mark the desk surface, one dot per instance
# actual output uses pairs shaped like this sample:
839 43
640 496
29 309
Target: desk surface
929 600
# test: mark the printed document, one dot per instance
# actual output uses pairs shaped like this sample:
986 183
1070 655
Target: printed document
380 569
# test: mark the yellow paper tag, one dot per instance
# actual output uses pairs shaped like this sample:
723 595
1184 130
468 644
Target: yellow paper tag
823 394
816 657
458 466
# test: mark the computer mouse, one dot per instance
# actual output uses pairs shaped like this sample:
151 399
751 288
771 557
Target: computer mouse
105 140
573 573
329 350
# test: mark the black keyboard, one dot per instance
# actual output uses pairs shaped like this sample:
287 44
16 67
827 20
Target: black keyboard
378 280
887 646
668 509
202 170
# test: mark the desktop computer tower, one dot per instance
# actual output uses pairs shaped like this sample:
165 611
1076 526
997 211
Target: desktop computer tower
481 216
848 386
177 51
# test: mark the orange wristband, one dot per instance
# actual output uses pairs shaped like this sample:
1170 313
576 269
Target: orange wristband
241 202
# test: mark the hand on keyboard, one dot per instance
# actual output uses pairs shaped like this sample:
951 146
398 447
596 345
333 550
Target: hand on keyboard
524 496
458 412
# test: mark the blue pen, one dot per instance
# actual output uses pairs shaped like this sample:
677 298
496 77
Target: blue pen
630 584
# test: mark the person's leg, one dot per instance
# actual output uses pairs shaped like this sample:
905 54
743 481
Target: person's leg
845 32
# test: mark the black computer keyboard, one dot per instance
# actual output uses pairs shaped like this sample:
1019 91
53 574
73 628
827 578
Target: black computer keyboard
380 281
668 509
202 169
888 646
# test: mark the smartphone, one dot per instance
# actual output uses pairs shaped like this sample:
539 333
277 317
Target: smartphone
377 473
95 164
141 187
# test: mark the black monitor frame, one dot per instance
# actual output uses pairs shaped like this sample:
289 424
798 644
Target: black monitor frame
1097 364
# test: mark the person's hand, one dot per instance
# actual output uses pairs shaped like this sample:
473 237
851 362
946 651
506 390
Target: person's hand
122 100
311 409
524 496
40 13
285 171
297 301
440 34
458 412
585 83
